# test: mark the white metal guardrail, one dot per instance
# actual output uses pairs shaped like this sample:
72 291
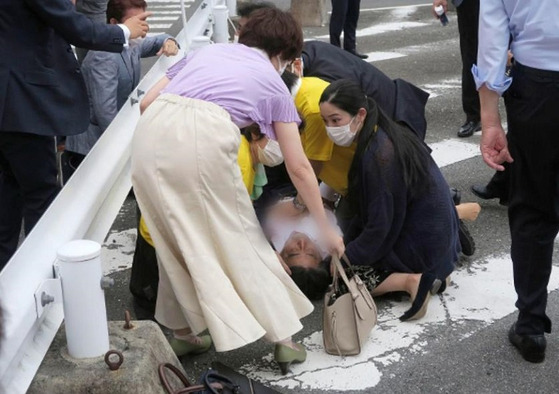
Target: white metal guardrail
30 292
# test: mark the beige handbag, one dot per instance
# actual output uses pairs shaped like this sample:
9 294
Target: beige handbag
349 313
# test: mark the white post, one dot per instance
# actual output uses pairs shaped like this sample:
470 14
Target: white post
85 313
232 6
221 32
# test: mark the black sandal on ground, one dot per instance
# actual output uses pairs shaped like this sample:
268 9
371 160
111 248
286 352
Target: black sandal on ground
419 307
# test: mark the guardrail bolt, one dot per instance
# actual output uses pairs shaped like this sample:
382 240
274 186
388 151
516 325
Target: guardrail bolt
46 298
127 324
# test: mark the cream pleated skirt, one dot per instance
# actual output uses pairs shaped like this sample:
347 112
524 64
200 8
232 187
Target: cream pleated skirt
216 268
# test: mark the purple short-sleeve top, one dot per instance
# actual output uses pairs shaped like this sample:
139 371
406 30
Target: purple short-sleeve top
239 79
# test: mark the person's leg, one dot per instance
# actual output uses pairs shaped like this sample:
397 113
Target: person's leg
418 286
468 13
10 207
350 25
534 201
398 281
337 21
144 275
30 176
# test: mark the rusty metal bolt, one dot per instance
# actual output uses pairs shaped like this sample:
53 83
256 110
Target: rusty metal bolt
127 324
114 365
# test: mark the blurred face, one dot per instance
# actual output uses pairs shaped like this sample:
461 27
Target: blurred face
301 251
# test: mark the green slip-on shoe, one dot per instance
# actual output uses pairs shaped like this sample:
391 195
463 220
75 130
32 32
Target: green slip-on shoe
285 356
182 347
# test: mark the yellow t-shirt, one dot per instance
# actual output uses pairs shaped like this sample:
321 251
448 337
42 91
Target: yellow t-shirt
336 159
244 159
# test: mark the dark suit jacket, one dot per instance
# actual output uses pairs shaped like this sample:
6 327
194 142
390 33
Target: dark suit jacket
41 87
399 99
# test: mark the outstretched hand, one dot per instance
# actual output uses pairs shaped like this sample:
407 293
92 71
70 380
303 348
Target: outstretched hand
137 25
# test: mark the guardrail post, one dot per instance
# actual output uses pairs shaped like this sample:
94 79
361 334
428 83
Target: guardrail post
232 6
85 314
221 31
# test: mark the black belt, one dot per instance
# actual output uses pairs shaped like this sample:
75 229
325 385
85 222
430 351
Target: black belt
536 71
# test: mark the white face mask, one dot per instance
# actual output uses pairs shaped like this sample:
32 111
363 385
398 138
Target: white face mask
236 39
271 154
342 135
281 66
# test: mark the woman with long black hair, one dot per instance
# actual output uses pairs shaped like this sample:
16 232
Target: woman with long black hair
403 222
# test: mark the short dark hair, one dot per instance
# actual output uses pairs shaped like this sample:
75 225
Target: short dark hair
244 9
275 31
313 282
117 8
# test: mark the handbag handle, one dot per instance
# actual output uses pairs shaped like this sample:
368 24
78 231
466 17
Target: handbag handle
177 372
339 269
188 387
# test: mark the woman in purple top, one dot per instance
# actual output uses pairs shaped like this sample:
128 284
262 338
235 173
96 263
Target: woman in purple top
217 271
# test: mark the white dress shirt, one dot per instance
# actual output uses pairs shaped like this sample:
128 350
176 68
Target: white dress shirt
534 27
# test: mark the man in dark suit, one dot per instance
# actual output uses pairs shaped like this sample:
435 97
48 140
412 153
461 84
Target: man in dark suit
402 101
344 17
42 95
467 12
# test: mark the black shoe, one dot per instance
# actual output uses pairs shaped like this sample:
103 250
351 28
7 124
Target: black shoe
355 53
419 306
486 193
466 240
456 196
531 347
469 128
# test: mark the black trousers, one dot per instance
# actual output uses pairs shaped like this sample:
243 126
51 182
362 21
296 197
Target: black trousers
533 124
344 17
468 15
27 185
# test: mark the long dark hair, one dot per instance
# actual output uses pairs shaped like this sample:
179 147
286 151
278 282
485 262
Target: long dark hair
409 150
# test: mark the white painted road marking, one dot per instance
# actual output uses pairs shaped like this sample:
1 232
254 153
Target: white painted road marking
452 151
484 293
